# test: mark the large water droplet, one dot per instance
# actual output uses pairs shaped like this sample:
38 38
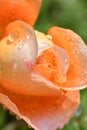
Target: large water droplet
13 36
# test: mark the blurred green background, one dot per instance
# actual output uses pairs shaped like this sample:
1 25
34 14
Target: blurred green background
68 14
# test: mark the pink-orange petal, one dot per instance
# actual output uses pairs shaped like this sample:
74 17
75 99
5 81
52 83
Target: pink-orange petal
53 64
77 52
42 112
18 49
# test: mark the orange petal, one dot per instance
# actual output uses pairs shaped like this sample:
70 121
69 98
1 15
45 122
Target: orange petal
18 51
42 113
77 52
53 64
26 10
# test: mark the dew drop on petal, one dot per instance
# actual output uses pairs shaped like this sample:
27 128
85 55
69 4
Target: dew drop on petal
28 36
82 82
20 46
13 36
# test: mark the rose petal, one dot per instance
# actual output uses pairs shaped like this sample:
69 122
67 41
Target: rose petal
11 10
42 113
77 51
44 41
53 64
18 51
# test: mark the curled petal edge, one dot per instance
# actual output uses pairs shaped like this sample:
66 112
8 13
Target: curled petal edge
77 52
56 113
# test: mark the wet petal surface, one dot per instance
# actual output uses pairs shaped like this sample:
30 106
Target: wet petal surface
42 113
77 52
18 52
53 64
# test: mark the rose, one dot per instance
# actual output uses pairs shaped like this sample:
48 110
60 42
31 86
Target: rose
41 87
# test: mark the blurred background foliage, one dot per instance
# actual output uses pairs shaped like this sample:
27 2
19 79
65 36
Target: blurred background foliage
64 13
67 14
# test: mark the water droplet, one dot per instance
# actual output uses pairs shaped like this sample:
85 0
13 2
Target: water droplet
79 40
66 60
28 36
20 46
78 112
73 51
25 59
13 36
43 45
82 82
